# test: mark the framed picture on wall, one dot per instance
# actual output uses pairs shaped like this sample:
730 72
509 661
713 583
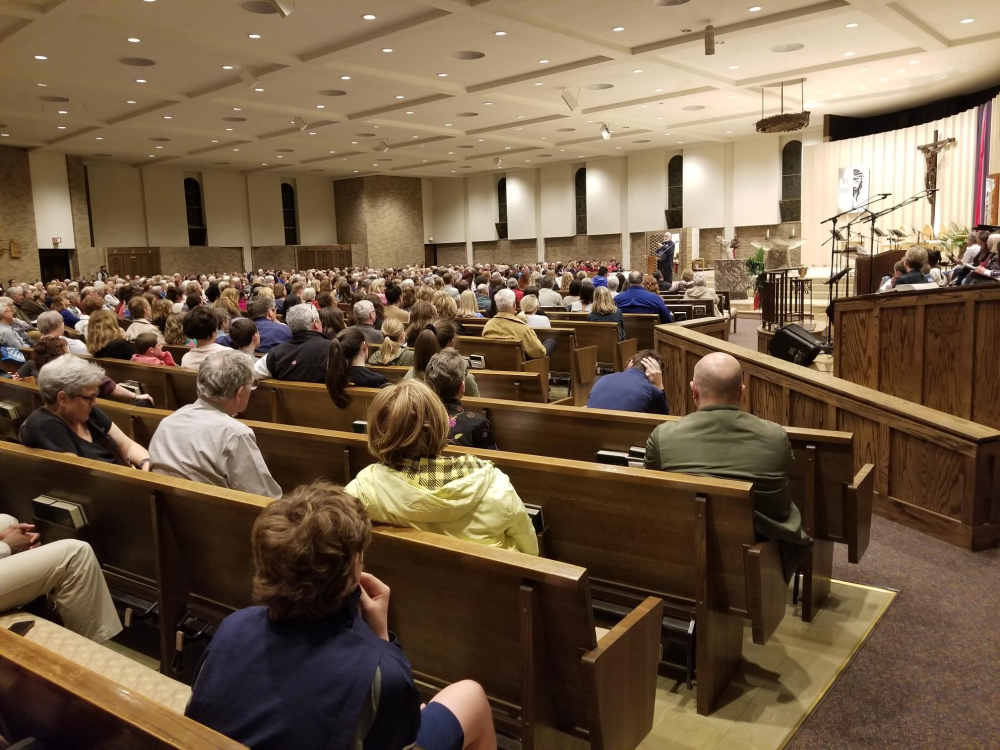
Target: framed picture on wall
15 249
991 200
853 190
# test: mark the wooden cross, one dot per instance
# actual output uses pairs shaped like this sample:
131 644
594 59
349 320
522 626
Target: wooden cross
930 152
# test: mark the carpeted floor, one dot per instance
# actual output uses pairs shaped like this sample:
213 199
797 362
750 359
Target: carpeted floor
930 674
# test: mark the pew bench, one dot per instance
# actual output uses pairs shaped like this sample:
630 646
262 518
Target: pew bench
64 705
563 682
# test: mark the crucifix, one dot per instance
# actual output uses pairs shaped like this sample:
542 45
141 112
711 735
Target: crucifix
930 152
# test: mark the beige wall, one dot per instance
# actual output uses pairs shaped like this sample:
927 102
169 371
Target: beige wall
17 216
394 216
451 255
349 199
274 256
88 259
185 260
583 247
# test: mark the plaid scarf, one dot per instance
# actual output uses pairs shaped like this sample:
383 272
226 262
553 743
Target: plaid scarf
435 473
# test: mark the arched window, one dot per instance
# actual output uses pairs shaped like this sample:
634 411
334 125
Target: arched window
581 200
289 213
197 234
502 208
791 181
675 192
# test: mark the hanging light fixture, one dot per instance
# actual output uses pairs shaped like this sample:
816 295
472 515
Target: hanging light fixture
785 122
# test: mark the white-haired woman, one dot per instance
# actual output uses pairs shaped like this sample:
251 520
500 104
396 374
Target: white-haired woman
70 423
700 291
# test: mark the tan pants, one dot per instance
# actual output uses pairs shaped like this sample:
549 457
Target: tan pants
67 571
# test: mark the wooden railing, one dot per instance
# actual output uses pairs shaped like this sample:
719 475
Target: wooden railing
934 347
935 473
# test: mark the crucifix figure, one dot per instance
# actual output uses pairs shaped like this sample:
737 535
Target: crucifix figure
930 152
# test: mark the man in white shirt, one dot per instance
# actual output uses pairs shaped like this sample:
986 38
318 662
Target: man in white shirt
204 441
202 325
547 296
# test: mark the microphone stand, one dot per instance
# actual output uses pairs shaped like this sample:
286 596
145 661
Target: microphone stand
885 212
835 288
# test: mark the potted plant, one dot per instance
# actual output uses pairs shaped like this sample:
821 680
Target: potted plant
755 272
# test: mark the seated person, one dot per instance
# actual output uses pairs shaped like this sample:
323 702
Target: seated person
547 296
605 310
888 282
61 305
394 351
989 268
204 441
51 324
586 301
506 325
532 313
437 335
393 295
364 314
262 312
70 423
574 295
413 485
244 336
149 351
140 311
601 279
304 357
202 325
721 441
914 261
332 321
445 374
347 353
638 388
344 682
685 283
65 570
699 291
637 299
483 298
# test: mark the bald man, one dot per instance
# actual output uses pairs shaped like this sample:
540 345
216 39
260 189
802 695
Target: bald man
721 441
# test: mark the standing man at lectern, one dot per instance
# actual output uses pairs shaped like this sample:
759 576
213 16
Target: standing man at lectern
665 258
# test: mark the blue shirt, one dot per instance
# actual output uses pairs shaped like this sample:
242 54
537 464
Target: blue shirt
70 318
600 281
303 683
635 299
628 391
271 334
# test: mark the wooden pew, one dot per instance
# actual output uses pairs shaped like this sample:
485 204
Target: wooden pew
561 358
63 705
934 472
603 336
638 326
562 679
714 327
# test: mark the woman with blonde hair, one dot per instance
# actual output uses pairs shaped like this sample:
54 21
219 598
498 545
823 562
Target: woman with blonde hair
232 294
412 484
105 339
425 293
227 304
605 310
421 314
565 281
394 350
378 289
446 306
532 316
173 331
468 307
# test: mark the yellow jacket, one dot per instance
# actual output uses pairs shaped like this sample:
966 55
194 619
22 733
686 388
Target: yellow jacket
507 325
464 497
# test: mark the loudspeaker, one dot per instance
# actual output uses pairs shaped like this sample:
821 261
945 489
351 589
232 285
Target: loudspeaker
795 344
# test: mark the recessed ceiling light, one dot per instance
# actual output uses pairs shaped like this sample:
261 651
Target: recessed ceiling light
345 78
130 101
901 70
883 80
333 152
447 124
729 132
254 36
442 75
140 80
409 112
400 96
518 128
159 146
657 91
754 9
864 70
237 109
264 164
680 143
167 117
63 112
862 88
637 70
99 138
312 133
618 28
259 90
368 17
520 117
41 57
354 143
387 49
43 85
152 156
227 67
734 67
499 33
229 130
852 26
60 127
968 20
320 106
539 83
235 149
414 136
487 104
543 62
506 148
837 96
914 62
848 54
134 39
482 140
214 141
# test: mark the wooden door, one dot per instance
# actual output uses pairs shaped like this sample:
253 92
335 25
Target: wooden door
116 264
306 259
324 259
133 264
430 255
150 263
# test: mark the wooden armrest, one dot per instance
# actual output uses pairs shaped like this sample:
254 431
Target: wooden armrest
858 513
766 589
620 677
624 351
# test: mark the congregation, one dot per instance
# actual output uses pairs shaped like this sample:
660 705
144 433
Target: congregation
309 544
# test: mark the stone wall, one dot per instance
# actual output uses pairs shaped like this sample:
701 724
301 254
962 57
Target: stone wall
451 254
17 217
273 256
747 234
214 260
599 247
639 249
708 248
394 218
349 200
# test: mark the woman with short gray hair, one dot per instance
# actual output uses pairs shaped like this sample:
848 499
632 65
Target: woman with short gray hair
70 423
445 374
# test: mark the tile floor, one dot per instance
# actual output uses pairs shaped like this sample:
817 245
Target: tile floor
781 683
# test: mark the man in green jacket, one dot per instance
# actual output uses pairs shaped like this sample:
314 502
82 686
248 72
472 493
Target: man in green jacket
721 441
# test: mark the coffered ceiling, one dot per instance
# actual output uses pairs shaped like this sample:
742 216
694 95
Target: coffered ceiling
450 84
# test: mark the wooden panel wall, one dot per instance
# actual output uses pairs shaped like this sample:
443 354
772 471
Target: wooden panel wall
934 347
934 472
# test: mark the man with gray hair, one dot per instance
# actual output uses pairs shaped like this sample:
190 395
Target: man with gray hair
304 356
364 315
720 440
613 285
8 336
506 325
205 442
636 299
52 324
